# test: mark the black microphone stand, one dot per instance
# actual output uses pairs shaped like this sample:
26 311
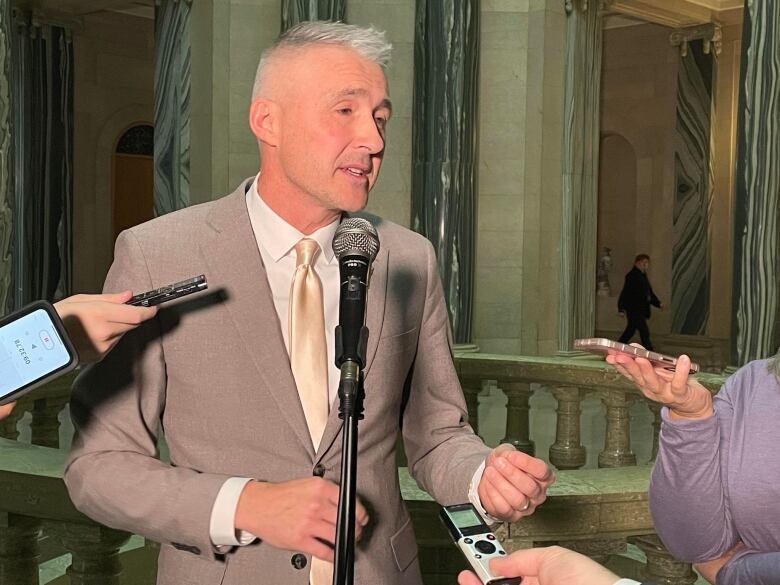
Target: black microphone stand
351 396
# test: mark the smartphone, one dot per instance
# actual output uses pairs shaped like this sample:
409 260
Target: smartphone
34 349
476 541
605 346
170 292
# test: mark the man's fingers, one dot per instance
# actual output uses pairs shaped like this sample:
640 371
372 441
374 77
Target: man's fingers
516 497
500 507
318 549
531 465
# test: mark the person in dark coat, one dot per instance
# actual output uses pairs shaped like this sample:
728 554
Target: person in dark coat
635 300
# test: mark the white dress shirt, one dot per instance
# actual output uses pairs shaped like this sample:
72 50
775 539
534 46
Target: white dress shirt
276 240
627 582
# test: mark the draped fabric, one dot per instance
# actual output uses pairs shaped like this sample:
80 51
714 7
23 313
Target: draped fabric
581 136
445 145
756 272
172 82
296 11
6 154
693 194
42 72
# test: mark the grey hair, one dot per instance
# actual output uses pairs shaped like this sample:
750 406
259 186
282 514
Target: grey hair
368 42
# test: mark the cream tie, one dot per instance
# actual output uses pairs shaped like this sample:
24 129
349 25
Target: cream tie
308 350
309 360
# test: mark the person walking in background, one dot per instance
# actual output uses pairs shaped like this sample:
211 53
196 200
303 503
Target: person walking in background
635 300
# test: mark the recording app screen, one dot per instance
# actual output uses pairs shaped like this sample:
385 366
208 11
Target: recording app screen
30 348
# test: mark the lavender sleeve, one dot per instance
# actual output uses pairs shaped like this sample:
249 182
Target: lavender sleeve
688 499
751 568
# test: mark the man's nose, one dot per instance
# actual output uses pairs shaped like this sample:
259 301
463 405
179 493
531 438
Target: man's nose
370 136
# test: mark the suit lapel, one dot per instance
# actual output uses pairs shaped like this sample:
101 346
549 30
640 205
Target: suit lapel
375 314
230 250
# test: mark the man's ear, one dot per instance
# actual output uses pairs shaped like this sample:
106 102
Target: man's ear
264 121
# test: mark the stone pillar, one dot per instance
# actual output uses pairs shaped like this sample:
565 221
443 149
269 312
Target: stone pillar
694 184
754 329
517 420
45 425
655 408
617 441
445 145
172 70
8 425
296 11
19 551
6 191
567 452
662 567
95 552
581 136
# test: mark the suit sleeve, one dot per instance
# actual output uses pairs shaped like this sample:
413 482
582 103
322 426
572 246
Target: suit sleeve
113 474
442 449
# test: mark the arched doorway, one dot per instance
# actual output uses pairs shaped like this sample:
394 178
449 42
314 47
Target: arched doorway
132 184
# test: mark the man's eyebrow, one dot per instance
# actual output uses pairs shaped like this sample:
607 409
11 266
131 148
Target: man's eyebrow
360 92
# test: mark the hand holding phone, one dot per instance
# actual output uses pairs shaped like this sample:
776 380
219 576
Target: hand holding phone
607 346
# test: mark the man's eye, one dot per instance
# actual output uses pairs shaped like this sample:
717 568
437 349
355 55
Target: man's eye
381 122
345 111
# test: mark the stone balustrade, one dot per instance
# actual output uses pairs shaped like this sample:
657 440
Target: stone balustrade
596 511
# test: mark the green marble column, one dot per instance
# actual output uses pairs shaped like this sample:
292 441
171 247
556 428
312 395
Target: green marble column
756 272
445 144
580 171
172 84
296 11
6 191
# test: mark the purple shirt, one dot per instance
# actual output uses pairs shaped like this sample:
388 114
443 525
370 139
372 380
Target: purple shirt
717 481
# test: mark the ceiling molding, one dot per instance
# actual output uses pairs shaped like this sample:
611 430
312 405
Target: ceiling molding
673 14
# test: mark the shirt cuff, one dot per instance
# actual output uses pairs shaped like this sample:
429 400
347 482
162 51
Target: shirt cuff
627 582
474 495
222 526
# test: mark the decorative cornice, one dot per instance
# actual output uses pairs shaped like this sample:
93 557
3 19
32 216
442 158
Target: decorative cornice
710 33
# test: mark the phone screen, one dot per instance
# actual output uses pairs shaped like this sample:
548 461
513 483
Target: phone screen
30 349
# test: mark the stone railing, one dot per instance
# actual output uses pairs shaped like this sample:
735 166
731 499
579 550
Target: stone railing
597 511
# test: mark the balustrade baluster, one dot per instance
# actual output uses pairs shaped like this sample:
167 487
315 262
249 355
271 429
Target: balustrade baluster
617 441
567 452
8 428
655 408
471 389
95 551
517 420
45 425
19 551
662 568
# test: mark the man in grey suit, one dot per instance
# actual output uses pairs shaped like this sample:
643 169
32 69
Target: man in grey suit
249 494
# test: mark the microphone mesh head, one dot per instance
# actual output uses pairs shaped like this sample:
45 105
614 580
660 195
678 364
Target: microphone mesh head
356 235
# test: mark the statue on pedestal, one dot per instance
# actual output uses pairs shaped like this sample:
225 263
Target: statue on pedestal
602 273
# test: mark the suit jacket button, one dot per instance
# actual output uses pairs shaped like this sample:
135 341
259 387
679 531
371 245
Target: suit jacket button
298 561
319 470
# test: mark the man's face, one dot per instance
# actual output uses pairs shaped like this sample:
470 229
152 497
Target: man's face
332 133
643 264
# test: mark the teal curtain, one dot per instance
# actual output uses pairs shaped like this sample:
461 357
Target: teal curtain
296 11
6 158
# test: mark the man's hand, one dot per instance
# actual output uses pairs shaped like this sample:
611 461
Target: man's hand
546 566
709 569
6 409
297 515
95 323
685 398
513 483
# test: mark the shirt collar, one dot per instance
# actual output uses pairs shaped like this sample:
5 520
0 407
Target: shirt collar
277 236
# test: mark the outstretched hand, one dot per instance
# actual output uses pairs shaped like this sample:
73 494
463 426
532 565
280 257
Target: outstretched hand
684 396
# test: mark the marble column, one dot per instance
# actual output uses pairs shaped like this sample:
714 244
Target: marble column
581 135
172 75
754 330
694 190
296 11
6 189
445 145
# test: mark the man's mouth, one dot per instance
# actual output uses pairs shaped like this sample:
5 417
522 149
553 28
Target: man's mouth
358 172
